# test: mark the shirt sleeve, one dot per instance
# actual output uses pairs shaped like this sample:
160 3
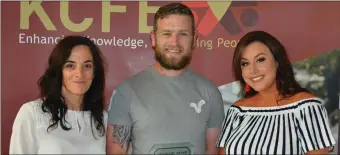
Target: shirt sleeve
217 110
23 138
227 127
119 107
313 126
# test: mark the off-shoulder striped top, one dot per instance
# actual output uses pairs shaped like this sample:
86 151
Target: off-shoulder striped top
294 128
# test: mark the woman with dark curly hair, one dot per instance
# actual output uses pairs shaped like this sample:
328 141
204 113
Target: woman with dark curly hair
69 117
276 115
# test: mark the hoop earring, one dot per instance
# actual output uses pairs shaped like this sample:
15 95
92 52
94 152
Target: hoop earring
247 88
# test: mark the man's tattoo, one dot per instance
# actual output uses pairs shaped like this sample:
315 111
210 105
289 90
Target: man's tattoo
121 135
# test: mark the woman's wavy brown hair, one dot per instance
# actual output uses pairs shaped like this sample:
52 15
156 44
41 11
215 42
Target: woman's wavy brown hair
50 84
286 84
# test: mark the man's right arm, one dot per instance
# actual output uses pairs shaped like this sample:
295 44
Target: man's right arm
118 139
119 126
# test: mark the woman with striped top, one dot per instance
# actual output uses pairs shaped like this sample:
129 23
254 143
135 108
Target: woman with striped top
276 115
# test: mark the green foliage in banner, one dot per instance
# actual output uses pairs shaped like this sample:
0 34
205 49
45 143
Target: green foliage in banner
322 77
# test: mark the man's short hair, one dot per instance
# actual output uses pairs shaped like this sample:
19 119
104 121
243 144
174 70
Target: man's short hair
173 9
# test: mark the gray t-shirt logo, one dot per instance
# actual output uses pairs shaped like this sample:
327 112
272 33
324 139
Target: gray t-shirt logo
172 148
198 106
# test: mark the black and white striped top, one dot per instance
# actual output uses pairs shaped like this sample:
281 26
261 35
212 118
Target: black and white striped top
295 128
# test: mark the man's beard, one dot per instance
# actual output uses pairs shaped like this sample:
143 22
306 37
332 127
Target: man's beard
171 63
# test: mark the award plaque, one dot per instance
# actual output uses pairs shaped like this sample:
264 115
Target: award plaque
172 148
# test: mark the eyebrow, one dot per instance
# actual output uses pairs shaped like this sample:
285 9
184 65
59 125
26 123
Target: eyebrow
255 56
70 61
164 31
260 54
167 30
184 31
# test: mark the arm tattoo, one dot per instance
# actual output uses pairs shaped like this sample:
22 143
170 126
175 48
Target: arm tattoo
121 135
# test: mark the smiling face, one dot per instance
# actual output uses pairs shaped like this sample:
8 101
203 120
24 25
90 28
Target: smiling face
258 67
78 71
173 41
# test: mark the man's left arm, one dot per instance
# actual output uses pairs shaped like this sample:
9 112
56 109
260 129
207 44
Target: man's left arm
215 122
211 138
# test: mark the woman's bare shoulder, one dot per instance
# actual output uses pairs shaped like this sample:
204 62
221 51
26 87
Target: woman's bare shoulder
302 96
243 102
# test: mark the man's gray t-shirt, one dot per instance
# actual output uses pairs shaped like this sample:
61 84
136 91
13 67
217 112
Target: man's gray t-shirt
167 114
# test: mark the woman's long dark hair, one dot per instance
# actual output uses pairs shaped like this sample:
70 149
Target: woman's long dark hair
50 84
286 84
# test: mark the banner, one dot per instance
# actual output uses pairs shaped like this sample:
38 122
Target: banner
121 29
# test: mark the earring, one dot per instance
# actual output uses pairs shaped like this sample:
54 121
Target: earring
247 88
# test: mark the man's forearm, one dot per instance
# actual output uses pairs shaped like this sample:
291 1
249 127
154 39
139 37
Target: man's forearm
212 150
118 138
211 138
